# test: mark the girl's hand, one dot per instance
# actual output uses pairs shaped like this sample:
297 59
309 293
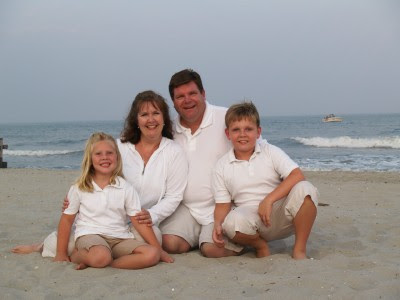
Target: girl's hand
218 236
144 217
264 211
65 203
165 257
61 257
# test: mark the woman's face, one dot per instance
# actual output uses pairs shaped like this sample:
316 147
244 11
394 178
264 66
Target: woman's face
150 121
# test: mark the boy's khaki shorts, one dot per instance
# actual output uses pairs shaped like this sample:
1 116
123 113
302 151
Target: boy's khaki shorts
245 218
118 247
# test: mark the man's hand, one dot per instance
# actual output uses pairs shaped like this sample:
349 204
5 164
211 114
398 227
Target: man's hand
144 217
61 257
264 211
218 236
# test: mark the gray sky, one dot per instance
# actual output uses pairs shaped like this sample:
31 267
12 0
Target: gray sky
86 60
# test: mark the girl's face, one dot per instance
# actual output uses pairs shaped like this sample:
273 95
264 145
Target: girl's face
104 158
150 121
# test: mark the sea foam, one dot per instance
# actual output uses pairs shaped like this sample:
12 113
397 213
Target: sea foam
38 153
350 142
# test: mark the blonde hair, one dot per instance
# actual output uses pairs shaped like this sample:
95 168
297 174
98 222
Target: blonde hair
243 110
84 181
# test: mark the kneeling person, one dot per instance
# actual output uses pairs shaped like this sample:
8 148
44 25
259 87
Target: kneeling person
271 199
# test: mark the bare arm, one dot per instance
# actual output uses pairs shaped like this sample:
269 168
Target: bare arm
282 190
220 212
148 235
64 230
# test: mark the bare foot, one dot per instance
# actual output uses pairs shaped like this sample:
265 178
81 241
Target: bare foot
299 255
81 266
26 249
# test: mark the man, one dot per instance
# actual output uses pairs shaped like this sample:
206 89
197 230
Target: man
199 129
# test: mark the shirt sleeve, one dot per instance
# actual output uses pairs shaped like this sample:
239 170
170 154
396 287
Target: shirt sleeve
220 191
176 180
132 201
283 164
74 201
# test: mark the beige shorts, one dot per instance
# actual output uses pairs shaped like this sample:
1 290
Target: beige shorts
182 224
50 242
245 218
118 247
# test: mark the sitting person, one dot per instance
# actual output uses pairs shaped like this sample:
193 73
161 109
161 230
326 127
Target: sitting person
266 188
104 199
152 162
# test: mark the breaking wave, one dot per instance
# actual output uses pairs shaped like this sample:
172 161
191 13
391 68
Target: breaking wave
39 153
349 142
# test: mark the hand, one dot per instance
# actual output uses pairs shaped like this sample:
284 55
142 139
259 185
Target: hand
65 203
61 257
264 211
218 236
144 217
165 257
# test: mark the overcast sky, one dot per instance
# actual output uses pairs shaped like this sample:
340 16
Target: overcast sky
86 60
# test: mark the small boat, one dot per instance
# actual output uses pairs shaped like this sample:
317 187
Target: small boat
332 118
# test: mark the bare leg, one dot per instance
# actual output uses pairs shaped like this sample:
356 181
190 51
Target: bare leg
303 223
255 241
175 244
96 257
212 250
26 249
142 257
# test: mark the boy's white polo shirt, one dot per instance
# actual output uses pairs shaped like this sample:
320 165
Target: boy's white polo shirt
248 182
104 211
203 149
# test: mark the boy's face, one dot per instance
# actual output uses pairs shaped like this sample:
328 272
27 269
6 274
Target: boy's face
243 134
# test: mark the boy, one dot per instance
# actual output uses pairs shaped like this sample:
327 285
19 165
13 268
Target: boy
270 198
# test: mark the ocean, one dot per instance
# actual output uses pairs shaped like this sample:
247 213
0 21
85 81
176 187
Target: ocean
358 143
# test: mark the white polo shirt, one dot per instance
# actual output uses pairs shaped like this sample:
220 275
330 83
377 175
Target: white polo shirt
203 149
248 182
104 211
161 183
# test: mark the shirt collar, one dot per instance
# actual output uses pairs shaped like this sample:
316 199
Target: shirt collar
119 184
205 122
232 158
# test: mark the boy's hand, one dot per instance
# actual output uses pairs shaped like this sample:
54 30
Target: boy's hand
61 257
65 203
264 211
144 217
218 236
165 257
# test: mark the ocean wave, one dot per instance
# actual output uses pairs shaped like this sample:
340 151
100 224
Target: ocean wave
392 142
39 153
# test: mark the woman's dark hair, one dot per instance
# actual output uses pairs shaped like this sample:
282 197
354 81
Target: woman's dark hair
131 132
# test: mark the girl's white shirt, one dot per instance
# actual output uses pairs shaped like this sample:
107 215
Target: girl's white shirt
162 182
104 211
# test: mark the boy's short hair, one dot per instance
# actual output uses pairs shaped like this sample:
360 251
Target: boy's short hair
240 111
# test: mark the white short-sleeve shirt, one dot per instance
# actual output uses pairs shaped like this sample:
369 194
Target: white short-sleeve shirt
203 149
161 183
103 211
249 182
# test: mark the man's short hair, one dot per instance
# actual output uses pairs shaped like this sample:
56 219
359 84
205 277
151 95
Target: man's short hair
183 77
240 111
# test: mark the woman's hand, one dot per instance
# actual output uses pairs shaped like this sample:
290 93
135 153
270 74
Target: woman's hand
165 257
144 217
61 257
65 203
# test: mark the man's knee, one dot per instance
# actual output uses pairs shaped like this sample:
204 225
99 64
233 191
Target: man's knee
174 244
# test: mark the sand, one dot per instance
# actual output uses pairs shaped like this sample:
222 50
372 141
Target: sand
354 246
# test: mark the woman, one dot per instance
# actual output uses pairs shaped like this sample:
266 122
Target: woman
154 164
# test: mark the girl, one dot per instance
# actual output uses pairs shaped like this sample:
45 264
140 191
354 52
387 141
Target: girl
104 199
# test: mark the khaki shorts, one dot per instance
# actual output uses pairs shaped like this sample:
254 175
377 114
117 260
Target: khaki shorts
118 247
245 218
50 242
182 224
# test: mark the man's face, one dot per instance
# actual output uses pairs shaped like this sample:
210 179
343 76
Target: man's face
189 103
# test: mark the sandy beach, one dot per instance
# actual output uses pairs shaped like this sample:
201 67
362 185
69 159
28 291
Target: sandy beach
354 249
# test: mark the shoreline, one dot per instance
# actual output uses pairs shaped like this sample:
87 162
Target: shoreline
355 246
